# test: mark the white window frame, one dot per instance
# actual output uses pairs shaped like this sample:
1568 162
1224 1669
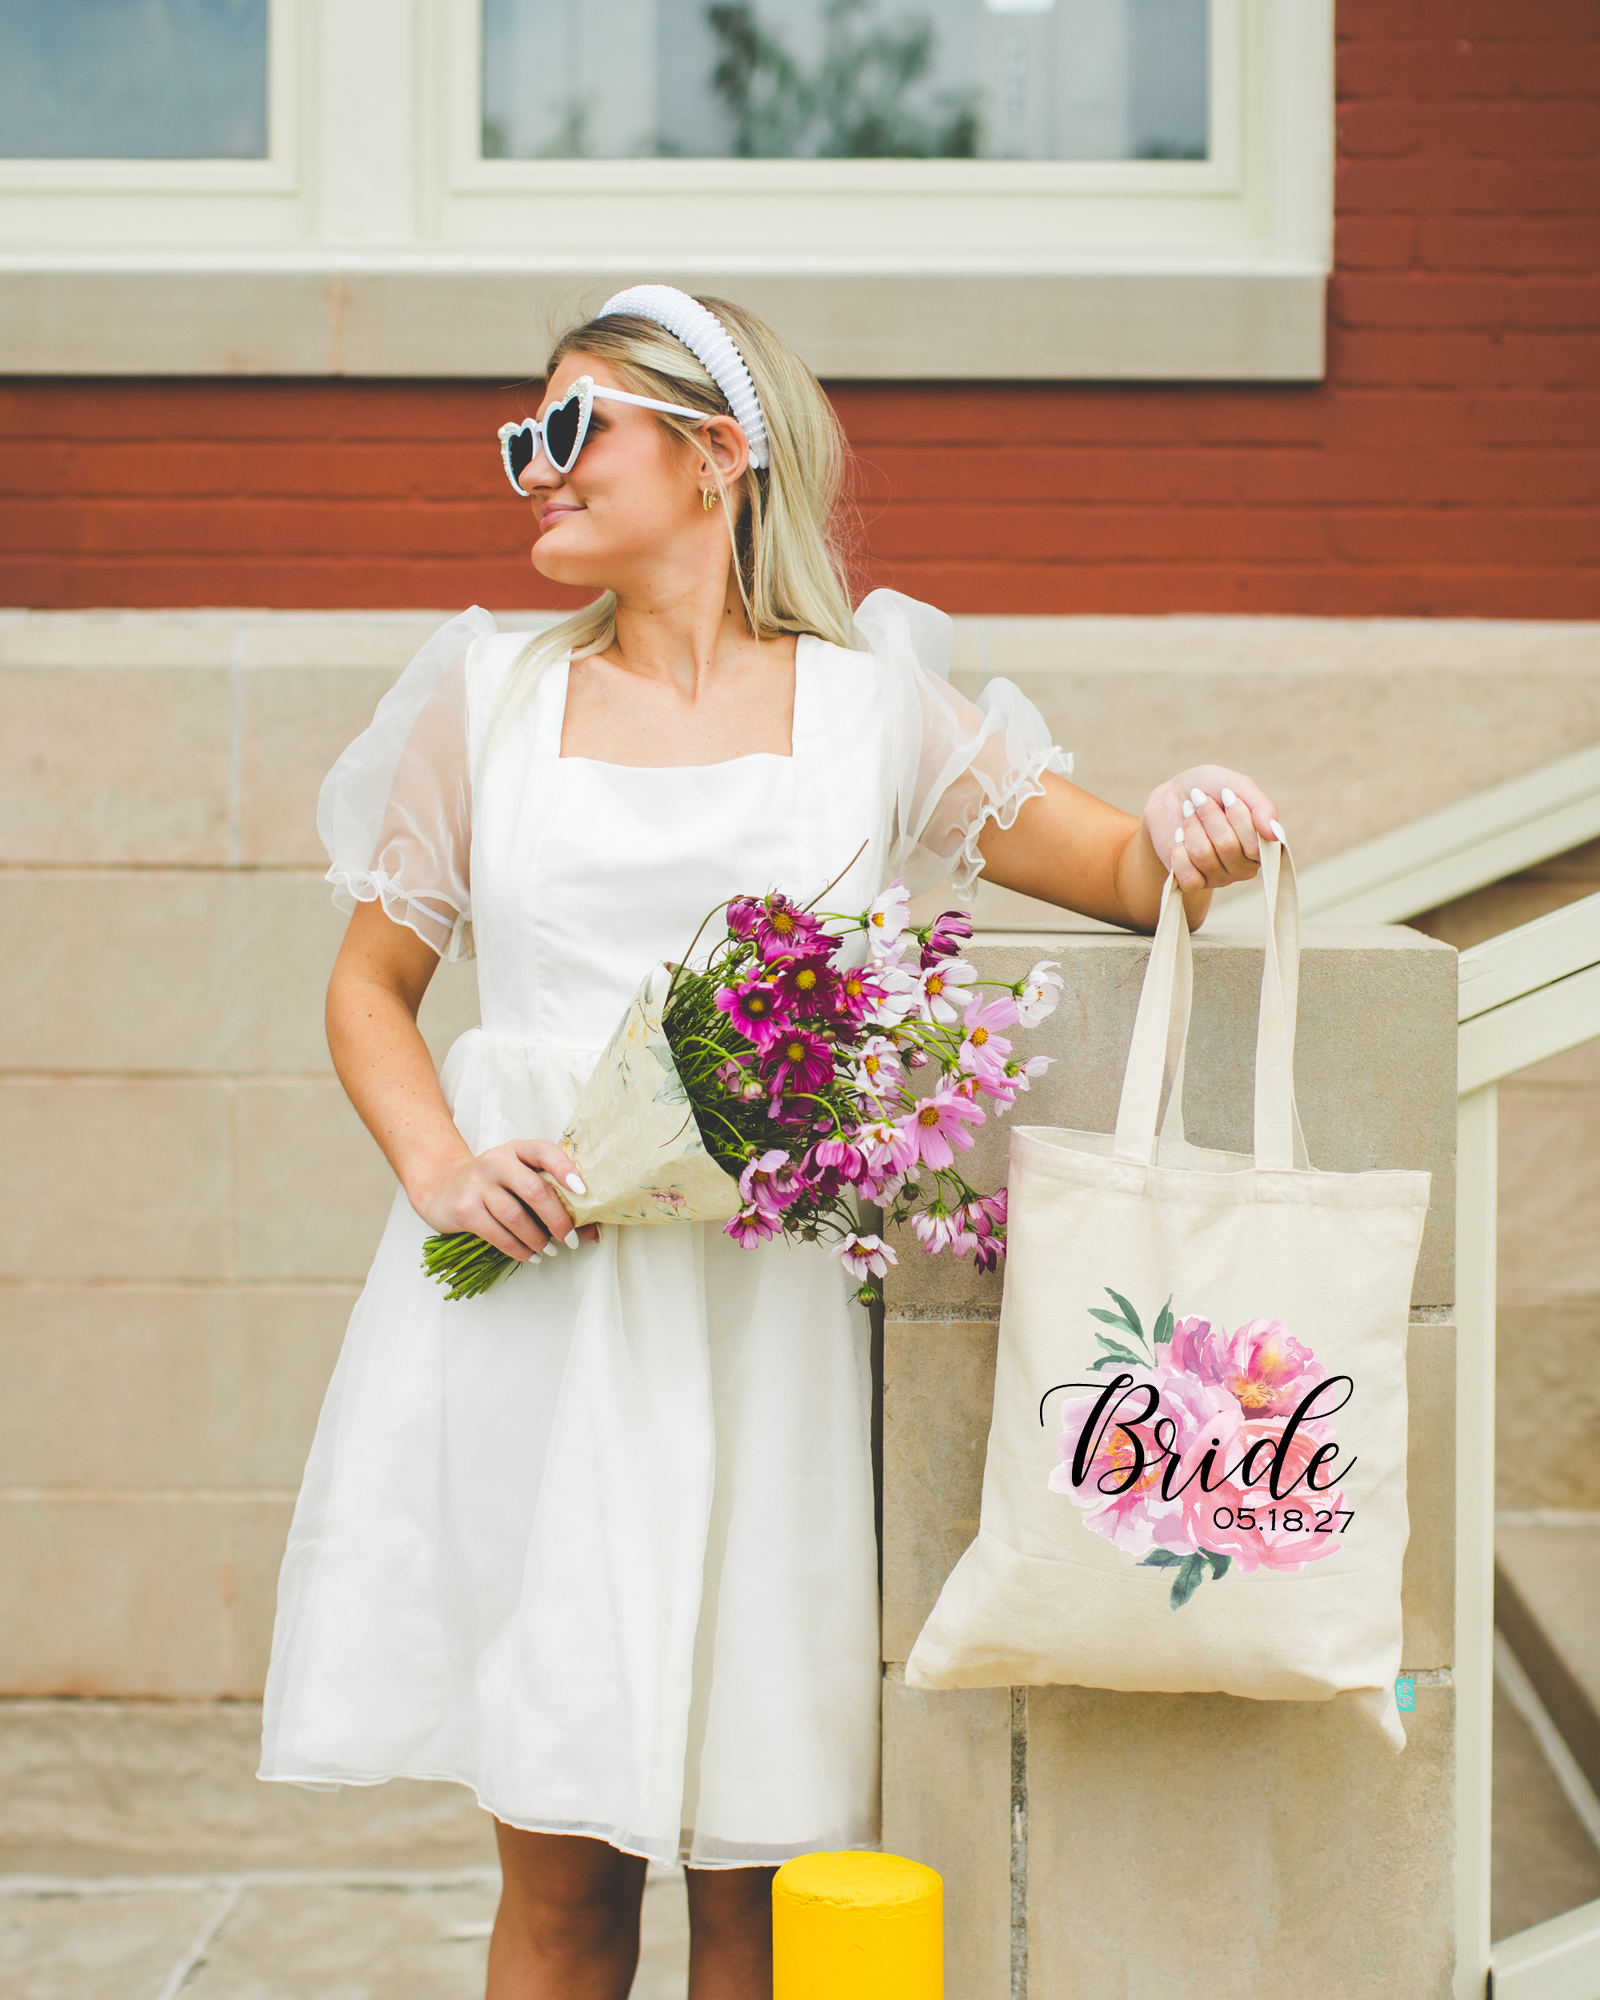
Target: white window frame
374 238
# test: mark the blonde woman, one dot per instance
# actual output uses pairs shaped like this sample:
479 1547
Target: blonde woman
599 1544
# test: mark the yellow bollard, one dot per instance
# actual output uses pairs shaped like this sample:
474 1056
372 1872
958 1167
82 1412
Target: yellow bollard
857 1926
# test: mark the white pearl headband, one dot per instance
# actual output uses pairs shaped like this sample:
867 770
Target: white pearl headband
709 341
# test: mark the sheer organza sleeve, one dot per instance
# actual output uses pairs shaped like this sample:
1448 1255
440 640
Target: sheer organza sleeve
395 813
959 763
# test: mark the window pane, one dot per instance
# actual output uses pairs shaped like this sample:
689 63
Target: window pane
133 79
851 79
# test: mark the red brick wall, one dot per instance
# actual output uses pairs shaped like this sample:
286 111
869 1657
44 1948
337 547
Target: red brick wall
1450 464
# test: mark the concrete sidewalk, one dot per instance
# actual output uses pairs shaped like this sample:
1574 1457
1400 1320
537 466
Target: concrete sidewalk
140 1859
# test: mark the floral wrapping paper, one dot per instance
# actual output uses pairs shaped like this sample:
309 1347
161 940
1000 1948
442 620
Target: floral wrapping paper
633 1134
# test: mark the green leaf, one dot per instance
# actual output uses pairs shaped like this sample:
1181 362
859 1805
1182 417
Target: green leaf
1162 1559
1118 1357
1164 1323
1114 1319
1191 1574
1128 1312
1220 1565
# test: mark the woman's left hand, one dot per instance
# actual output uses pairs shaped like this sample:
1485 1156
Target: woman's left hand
1223 817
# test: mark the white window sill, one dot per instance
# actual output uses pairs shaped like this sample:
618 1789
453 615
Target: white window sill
413 316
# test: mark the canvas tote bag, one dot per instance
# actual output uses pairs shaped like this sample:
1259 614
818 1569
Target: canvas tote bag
1196 1466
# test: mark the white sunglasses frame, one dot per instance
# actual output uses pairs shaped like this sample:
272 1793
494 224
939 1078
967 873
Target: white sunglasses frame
589 393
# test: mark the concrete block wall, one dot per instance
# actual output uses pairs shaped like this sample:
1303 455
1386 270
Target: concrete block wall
190 1203
1096 1843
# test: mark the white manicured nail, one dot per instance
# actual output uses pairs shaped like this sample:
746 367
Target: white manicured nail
576 1185
1177 838
571 1239
1198 796
1278 833
1188 810
549 1250
1229 798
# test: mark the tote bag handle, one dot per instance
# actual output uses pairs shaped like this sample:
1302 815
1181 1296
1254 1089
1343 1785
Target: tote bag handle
1156 1057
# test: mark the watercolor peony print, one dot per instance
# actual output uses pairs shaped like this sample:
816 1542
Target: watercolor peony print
1199 1449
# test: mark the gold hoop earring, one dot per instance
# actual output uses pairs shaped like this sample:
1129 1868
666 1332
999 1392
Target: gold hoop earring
708 498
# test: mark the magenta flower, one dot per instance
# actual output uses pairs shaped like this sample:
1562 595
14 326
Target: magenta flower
756 1009
784 930
752 1226
810 986
988 1213
768 1182
839 1156
744 913
861 991
864 1256
949 933
797 1060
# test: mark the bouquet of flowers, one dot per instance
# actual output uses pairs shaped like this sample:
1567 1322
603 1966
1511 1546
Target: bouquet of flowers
796 1052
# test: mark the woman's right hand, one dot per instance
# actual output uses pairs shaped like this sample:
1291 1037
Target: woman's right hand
503 1197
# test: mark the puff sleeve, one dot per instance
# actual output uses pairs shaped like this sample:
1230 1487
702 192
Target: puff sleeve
395 812
958 763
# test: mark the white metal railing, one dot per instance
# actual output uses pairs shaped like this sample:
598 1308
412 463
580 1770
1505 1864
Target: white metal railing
1449 853
1524 996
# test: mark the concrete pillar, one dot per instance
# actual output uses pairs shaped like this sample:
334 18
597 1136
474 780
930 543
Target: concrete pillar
1149 1846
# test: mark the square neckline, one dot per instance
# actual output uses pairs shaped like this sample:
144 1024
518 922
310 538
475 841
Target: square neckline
802 639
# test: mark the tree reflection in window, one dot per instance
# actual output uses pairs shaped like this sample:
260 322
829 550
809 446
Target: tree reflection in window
846 79
858 103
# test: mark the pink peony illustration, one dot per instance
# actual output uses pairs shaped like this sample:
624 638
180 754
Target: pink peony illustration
1204 1448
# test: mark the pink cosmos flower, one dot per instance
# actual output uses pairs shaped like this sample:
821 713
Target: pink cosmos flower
864 1256
752 1226
945 992
1265 1370
756 1009
1020 1074
796 1060
887 917
1040 991
949 933
936 1227
744 913
877 1065
888 1147
938 1125
985 1048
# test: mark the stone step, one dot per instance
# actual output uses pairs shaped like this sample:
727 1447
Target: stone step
1547 1603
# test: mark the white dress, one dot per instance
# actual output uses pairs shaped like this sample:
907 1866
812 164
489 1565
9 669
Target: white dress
600 1543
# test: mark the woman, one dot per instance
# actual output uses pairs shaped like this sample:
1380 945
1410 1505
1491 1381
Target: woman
599 1544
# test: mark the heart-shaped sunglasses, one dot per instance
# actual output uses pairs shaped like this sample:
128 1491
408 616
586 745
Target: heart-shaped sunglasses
563 428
